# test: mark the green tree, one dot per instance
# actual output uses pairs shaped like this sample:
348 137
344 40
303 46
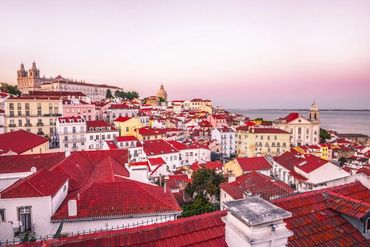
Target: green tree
205 185
108 95
130 95
161 100
342 160
324 135
12 90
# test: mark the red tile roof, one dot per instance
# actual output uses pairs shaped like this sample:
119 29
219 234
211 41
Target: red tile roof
254 164
314 223
126 138
20 141
292 116
158 147
24 163
111 145
147 131
258 185
156 161
121 198
268 131
201 230
42 183
122 119
98 124
347 205
120 106
311 163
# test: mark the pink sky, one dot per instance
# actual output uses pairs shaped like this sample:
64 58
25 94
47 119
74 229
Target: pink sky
240 54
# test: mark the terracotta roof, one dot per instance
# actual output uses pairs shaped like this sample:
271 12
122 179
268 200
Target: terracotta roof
120 106
24 163
292 116
20 141
311 163
39 184
347 205
365 170
201 230
111 145
268 131
314 223
156 161
158 147
122 119
258 185
147 131
98 124
254 164
121 198
56 93
126 138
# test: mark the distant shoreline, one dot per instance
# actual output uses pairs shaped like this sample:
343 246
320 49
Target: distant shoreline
277 109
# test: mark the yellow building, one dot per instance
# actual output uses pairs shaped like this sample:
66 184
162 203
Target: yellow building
252 142
240 166
22 142
150 134
127 125
36 114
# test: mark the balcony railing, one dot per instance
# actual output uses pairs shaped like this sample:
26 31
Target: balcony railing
12 125
40 124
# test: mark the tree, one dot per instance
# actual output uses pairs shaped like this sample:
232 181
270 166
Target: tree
342 160
108 95
130 95
161 100
324 135
12 90
205 185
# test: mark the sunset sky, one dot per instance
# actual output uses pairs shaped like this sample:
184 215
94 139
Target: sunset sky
240 54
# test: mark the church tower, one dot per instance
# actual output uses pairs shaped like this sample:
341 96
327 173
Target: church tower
27 81
162 93
314 115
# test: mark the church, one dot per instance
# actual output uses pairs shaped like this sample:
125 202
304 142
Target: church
32 81
304 131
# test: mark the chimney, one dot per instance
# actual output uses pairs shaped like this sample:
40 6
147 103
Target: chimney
231 178
72 207
255 222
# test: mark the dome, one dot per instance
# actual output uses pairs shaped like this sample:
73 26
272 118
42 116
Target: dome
162 93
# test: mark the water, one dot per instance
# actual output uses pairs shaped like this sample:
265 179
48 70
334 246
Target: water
337 120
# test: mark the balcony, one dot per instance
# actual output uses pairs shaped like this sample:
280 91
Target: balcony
12 125
40 124
40 133
28 124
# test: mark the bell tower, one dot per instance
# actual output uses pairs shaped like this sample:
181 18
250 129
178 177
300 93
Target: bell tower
314 115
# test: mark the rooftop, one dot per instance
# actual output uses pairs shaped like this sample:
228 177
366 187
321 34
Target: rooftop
254 211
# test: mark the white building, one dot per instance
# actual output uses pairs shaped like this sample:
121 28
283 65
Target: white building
71 131
304 131
226 138
305 172
162 149
120 110
97 132
86 191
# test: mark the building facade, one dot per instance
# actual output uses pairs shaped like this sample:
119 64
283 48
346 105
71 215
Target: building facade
252 142
71 131
31 80
37 114
304 131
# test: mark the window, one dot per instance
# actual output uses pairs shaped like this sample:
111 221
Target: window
2 215
24 216
368 224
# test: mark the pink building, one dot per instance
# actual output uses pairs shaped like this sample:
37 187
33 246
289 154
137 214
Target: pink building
73 108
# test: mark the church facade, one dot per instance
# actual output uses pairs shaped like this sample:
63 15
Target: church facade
304 131
32 81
